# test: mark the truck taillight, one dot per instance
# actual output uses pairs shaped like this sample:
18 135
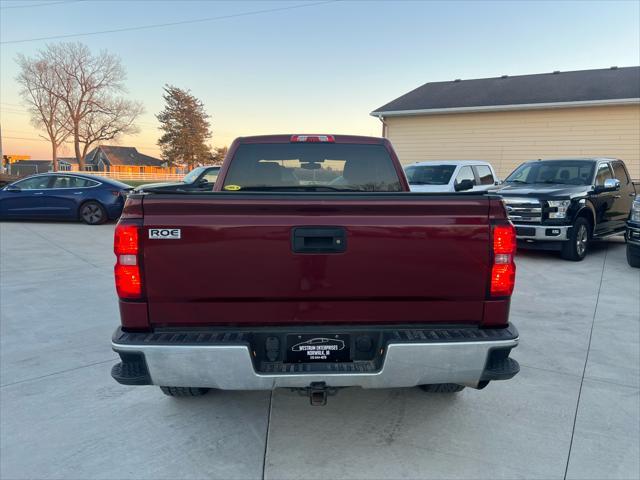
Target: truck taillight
127 268
503 270
313 138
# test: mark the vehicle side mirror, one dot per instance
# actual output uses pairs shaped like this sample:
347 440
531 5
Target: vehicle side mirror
610 185
12 188
463 185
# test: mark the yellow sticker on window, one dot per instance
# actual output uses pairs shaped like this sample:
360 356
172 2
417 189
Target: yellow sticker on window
232 188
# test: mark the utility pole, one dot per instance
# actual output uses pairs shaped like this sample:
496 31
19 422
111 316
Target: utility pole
1 154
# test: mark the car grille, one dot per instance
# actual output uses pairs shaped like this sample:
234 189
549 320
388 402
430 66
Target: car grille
523 210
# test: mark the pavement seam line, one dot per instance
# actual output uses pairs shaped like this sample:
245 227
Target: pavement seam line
593 379
56 373
266 438
62 248
586 361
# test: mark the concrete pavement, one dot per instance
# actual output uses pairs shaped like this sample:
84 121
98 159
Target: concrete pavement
572 412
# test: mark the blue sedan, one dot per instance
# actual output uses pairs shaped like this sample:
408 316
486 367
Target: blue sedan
70 196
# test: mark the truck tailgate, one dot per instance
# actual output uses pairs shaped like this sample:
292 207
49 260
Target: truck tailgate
407 258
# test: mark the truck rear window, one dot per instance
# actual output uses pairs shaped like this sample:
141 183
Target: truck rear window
312 167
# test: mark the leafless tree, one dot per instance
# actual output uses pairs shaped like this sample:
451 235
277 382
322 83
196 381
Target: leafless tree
38 84
90 89
114 117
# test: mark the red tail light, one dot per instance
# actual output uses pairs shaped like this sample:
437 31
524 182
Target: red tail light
127 268
503 271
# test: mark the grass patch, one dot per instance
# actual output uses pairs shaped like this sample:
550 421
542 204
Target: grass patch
137 183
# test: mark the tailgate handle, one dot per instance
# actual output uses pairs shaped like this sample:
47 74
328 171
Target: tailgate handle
318 240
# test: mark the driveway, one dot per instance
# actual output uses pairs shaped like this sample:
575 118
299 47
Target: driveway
572 412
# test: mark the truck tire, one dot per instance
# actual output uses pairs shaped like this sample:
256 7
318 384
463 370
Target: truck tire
184 391
633 259
442 388
575 249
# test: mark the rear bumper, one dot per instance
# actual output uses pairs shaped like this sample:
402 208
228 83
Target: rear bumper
227 360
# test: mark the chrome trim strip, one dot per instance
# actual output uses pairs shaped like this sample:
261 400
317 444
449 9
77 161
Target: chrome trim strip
61 174
229 367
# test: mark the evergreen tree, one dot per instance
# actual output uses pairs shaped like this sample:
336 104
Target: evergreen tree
186 128
217 157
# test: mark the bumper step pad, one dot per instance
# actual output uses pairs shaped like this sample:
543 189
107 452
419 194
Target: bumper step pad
501 369
132 370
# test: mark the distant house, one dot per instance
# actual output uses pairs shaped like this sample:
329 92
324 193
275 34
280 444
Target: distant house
107 158
508 120
28 167
66 164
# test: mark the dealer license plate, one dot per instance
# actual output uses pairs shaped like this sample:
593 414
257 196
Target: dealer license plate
318 348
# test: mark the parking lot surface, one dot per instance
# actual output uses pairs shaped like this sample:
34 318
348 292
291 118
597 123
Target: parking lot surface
572 412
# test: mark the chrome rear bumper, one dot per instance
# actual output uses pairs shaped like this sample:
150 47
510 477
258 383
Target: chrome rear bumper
404 364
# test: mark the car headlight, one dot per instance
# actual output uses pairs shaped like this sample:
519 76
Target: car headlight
635 210
558 208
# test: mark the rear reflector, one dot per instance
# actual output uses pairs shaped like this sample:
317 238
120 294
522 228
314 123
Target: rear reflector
313 138
503 270
127 269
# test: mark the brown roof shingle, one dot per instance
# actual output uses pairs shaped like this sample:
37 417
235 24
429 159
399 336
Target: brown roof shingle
558 87
115 155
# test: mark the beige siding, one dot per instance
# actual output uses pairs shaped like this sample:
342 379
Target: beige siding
507 139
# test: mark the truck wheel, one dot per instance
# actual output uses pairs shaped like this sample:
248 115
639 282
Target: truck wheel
442 388
575 249
184 391
632 259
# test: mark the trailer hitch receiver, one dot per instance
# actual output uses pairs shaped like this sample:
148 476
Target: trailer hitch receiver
317 393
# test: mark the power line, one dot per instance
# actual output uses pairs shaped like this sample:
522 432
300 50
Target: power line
10 7
169 24
25 138
13 112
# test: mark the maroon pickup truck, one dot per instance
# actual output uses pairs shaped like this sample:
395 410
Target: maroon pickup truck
311 266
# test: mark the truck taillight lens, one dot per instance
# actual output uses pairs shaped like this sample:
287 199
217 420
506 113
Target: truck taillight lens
503 270
127 268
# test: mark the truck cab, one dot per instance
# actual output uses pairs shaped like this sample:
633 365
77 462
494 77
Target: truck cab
564 204
451 176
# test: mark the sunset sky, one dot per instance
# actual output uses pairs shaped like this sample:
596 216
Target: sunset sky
317 69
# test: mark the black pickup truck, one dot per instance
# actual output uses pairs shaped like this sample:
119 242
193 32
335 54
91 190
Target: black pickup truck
564 204
633 234
200 179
